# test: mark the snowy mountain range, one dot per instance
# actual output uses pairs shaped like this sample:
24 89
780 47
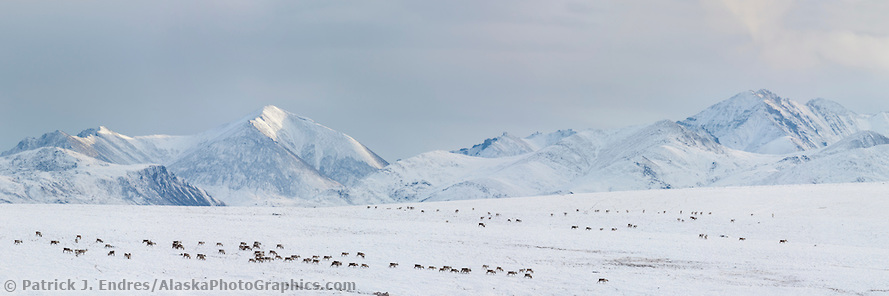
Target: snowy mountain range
753 138
270 157
273 157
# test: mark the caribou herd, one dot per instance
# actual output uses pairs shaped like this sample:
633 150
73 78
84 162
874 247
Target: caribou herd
695 215
258 254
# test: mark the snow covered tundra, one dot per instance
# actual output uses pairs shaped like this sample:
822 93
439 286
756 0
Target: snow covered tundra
771 240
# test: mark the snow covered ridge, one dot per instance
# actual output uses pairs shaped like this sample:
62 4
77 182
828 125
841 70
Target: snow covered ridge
509 145
273 157
55 175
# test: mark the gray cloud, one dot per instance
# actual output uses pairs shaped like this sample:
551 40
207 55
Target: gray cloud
406 77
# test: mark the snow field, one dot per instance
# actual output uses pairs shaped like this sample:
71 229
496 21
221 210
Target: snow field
834 243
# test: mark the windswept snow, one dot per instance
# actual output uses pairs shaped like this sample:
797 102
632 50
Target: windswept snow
833 246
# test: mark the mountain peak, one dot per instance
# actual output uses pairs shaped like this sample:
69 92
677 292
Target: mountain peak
55 138
750 99
825 106
860 140
509 145
269 121
96 131
762 122
272 110
764 94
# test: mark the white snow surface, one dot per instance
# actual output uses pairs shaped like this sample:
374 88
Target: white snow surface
833 243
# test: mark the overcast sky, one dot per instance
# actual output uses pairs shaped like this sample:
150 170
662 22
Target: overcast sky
405 77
